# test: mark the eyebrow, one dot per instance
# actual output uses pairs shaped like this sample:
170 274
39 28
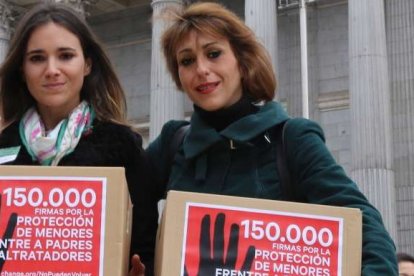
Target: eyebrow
204 46
61 49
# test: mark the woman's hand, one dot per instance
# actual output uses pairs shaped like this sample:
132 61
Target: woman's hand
138 268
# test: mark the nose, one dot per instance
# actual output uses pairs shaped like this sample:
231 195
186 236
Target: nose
202 67
52 68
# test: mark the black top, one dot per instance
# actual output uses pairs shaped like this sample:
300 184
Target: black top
220 119
108 144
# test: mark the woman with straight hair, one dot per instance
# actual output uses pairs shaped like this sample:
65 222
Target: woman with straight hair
63 105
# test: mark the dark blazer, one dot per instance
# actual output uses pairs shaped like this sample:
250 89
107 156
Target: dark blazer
110 145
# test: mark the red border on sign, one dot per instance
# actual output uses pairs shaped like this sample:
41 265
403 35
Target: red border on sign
285 243
60 224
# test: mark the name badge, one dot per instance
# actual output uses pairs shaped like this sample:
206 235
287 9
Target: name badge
8 154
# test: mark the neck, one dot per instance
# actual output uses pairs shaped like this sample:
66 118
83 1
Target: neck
222 118
49 122
51 117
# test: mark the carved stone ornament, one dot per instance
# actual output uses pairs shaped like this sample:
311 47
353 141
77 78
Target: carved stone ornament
6 17
77 5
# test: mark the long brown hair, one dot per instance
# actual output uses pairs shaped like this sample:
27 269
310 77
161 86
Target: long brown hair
101 87
258 78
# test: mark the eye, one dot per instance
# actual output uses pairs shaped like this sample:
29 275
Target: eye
214 54
36 58
186 61
66 56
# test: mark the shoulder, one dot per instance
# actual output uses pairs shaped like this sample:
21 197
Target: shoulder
112 133
171 127
159 150
10 135
299 129
110 139
167 132
304 142
102 126
107 144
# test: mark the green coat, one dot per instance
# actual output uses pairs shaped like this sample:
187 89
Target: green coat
240 161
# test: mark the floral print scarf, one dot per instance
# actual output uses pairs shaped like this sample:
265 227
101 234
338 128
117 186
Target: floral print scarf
50 147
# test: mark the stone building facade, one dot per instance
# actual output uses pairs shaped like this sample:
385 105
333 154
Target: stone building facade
360 66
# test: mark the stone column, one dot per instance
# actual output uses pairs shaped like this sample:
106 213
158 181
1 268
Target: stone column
399 15
5 28
261 17
371 140
166 102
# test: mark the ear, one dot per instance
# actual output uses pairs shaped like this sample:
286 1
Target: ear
88 67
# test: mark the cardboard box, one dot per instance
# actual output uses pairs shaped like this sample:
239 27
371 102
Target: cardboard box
70 221
219 235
